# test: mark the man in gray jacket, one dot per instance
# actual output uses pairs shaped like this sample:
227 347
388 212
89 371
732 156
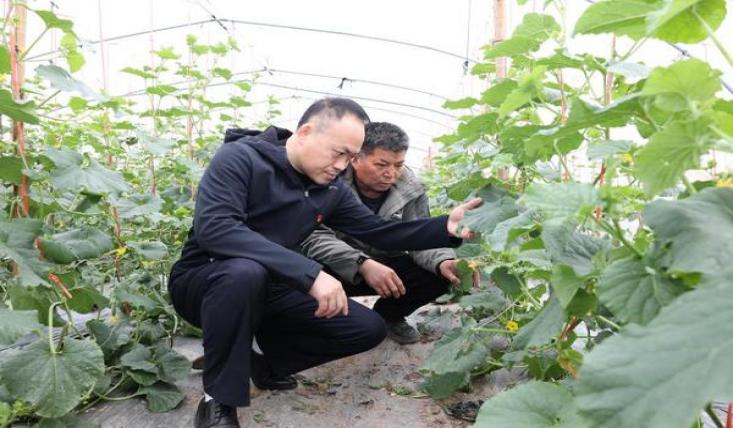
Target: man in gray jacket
404 280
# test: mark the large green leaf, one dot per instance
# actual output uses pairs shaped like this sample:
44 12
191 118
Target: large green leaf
17 243
86 299
676 20
35 298
111 338
155 145
461 349
606 149
529 86
162 397
161 90
561 200
454 356
497 93
137 205
491 299
4 60
622 17
662 374
548 142
476 127
507 282
566 283
583 115
6 414
534 29
442 386
634 291
506 231
561 59
172 366
11 169
16 324
52 21
485 218
463 103
698 230
531 405
543 328
676 86
138 72
63 81
71 52
79 172
631 71
167 52
571 247
154 250
23 112
77 244
53 383
670 152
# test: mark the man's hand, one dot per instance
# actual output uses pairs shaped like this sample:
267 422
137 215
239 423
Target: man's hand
382 279
456 216
330 295
449 270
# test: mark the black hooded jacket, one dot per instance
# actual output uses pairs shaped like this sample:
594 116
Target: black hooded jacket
253 204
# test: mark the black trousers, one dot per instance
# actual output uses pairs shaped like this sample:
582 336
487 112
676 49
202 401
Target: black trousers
421 288
235 299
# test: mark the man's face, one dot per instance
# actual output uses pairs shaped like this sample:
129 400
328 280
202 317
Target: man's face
379 170
327 146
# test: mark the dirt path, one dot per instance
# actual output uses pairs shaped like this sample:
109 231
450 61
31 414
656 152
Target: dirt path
379 388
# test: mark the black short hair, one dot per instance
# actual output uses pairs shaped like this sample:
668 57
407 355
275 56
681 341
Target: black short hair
334 108
384 135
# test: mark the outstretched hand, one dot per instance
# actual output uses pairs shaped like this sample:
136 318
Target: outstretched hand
457 215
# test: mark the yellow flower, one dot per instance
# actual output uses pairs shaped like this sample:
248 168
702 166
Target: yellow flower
512 326
121 251
728 182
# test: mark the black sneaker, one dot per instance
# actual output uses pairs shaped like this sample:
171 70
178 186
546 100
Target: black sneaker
402 332
263 377
211 414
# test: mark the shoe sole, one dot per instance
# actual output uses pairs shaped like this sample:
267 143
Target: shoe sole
401 339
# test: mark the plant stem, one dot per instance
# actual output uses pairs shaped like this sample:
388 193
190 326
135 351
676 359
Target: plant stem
50 97
51 345
714 38
713 416
625 241
608 322
633 49
688 185
28 49
494 330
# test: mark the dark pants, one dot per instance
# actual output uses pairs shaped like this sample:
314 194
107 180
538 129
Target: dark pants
421 288
234 299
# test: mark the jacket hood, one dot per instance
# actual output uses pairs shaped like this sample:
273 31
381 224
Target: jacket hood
270 144
273 134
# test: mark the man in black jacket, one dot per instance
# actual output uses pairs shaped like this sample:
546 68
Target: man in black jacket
241 276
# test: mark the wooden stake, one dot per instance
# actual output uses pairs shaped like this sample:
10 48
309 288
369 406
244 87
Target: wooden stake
17 74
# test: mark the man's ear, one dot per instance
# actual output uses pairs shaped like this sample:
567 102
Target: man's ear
304 130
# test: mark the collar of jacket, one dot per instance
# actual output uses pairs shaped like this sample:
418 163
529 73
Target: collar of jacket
269 143
406 189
